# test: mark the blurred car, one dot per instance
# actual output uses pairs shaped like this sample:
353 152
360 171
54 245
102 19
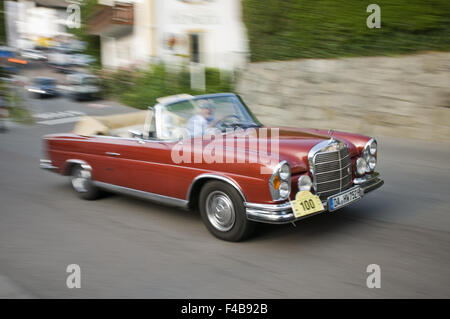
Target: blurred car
43 87
82 86
8 68
5 74
4 113
79 59
315 171
35 55
65 69
60 61
7 52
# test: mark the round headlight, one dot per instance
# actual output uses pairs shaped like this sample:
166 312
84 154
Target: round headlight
285 172
304 183
366 154
372 162
373 147
361 166
284 189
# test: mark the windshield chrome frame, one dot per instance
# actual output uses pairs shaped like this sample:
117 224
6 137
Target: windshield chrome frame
160 107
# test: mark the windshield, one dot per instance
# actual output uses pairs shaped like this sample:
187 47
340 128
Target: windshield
89 81
46 82
199 116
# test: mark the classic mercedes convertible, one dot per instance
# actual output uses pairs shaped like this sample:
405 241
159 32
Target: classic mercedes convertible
210 153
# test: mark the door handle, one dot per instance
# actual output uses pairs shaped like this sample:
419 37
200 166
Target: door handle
141 141
112 154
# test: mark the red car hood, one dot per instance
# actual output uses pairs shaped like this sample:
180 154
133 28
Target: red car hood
295 143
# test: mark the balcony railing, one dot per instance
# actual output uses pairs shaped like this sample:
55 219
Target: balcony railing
107 16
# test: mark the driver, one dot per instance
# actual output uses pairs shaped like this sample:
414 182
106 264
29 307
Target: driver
199 123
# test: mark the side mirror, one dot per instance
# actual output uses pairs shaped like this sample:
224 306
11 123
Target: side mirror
136 134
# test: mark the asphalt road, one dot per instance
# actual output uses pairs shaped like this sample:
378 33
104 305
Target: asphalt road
130 248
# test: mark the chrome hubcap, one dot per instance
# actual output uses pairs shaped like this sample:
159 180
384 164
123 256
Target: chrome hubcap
80 180
220 211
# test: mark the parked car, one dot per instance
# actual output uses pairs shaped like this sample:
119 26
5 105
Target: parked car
4 113
315 171
43 87
35 55
82 86
60 61
78 59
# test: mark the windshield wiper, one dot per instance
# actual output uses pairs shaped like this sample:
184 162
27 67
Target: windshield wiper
244 124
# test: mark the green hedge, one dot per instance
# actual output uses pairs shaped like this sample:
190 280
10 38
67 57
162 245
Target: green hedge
140 89
2 23
289 29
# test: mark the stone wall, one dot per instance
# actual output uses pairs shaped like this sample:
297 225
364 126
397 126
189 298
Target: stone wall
406 96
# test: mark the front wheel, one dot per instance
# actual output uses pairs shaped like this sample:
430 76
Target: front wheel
81 180
223 212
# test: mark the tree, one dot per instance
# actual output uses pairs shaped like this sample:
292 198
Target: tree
2 23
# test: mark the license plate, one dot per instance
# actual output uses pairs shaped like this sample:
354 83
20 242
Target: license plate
306 203
345 198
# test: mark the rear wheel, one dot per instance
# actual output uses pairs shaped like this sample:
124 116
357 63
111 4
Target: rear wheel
223 212
81 180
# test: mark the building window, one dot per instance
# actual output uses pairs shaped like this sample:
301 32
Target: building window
194 43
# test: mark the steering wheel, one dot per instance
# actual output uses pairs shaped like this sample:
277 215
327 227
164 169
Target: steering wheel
225 122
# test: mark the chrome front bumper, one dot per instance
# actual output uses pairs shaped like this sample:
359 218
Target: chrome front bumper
47 165
282 213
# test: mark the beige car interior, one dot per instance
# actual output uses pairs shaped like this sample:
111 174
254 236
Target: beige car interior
170 126
117 125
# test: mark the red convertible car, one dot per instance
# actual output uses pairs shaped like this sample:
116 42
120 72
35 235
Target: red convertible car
210 153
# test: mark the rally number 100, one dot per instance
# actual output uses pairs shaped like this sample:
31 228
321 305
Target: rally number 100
308 204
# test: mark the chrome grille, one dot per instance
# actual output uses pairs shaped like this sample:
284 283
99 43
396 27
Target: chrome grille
332 172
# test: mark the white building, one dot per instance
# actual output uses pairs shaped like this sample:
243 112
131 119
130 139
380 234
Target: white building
210 32
124 30
30 21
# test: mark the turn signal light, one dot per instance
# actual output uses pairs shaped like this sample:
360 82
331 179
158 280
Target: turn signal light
276 182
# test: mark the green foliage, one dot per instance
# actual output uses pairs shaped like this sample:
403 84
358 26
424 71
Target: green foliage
289 29
140 89
2 23
20 115
14 103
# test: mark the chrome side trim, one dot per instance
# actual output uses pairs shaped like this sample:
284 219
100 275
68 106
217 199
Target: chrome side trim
372 185
142 194
47 165
218 177
115 137
269 207
112 154
274 214
366 178
82 163
282 213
